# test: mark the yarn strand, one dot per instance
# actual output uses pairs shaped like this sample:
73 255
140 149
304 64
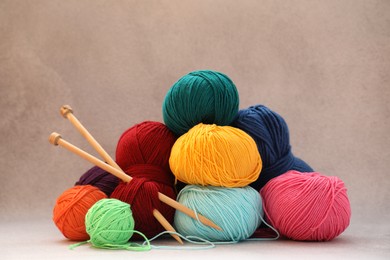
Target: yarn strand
145 246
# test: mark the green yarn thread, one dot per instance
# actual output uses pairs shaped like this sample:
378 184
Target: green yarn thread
110 224
202 96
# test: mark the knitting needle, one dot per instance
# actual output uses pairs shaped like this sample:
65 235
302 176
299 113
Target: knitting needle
56 139
67 112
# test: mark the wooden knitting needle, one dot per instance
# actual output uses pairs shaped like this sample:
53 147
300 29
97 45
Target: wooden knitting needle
67 112
56 139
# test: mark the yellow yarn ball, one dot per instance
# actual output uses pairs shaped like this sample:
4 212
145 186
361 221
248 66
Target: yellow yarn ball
214 155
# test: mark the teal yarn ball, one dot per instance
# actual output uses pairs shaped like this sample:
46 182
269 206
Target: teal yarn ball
238 211
109 222
202 96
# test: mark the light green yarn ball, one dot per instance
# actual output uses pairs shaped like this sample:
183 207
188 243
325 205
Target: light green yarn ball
109 222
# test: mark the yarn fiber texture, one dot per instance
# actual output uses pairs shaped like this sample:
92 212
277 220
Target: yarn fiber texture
143 153
214 155
238 211
272 137
307 206
142 195
99 178
109 222
202 96
146 147
70 210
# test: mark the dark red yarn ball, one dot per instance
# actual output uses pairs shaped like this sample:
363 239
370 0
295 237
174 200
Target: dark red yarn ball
99 178
146 143
143 152
142 195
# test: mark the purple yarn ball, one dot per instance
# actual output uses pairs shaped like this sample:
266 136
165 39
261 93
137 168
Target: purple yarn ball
99 178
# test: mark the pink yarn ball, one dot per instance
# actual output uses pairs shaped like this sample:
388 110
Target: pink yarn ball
307 206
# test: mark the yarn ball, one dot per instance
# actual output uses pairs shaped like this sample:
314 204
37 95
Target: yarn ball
70 210
143 153
202 96
271 134
238 211
99 178
142 195
145 148
109 222
307 206
215 155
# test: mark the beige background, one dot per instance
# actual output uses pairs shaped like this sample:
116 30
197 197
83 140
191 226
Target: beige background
323 65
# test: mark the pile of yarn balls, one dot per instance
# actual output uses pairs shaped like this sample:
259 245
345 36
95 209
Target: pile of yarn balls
235 167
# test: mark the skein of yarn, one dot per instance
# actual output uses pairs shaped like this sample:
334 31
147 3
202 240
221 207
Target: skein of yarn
70 210
146 147
215 155
143 153
99 178
307 206
110 224
271 134
142 195
238 211
202 96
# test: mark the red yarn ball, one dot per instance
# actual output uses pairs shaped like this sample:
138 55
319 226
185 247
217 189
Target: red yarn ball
307 206
143 153
145 143
142 195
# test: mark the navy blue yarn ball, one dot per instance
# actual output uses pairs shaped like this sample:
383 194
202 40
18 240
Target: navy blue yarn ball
271 134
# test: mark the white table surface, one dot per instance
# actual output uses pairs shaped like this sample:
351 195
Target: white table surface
40 239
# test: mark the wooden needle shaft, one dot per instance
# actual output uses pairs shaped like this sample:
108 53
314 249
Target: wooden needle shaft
56 139
67 112
174 204
165 223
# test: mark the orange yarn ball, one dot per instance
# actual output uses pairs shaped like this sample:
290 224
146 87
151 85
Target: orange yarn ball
72 206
